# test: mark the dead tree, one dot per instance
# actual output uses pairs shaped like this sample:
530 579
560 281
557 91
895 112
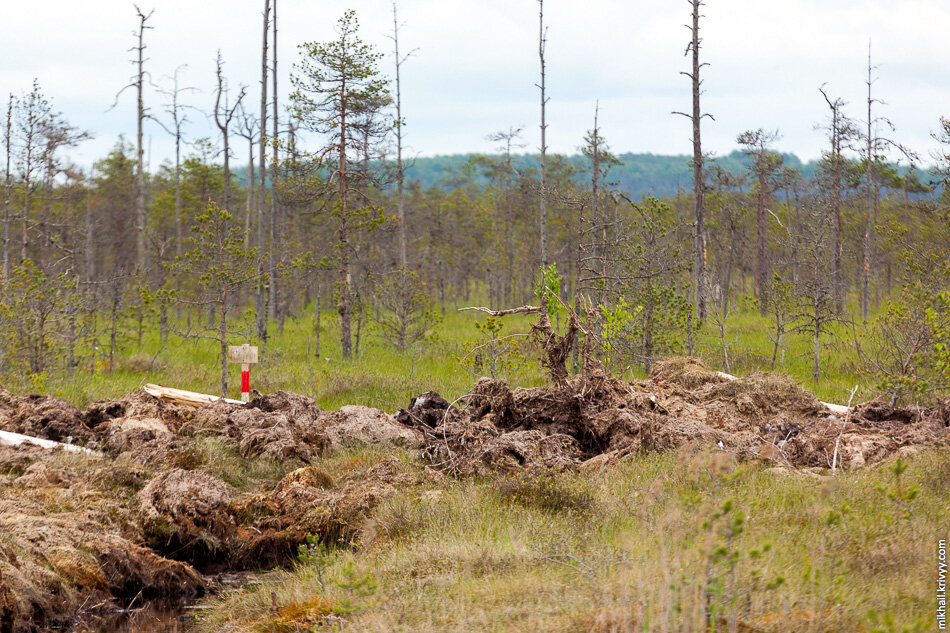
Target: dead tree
508 139
176 111
222 118
840 130
874 150
557 348
542 45
273 236
248 130
871 198
56 133
758 144
7 186
815 310
261 300
33 113
398 124
139 83
699 174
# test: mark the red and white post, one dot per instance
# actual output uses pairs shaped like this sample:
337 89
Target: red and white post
247 356
245 382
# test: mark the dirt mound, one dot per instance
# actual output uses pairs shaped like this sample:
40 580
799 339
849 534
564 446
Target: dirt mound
8 607
354 424
307 502
136 405
16 459
44 417
685 372
186 514
596 419
67 541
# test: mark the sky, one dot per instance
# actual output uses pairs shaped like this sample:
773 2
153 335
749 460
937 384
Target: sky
475 66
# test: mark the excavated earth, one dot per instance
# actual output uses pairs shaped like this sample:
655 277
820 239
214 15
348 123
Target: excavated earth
144 519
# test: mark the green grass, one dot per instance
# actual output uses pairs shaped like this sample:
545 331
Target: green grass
640 553
381 376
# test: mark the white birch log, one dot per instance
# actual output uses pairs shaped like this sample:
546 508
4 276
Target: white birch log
180 396
15 439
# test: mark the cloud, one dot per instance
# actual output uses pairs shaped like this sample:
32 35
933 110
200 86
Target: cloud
476 65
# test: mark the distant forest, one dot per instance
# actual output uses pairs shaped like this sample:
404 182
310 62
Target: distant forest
638 175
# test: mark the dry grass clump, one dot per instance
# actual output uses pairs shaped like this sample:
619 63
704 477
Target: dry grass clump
684 371
545 490
668 543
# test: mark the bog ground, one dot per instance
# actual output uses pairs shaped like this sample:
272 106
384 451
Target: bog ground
687 501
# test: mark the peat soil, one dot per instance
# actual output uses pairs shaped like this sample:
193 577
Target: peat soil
145 518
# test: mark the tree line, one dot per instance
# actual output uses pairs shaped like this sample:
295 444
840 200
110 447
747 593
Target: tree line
304 201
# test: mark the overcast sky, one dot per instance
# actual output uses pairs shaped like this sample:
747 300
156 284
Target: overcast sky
476 65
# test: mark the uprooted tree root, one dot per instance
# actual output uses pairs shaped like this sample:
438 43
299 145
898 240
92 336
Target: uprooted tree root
592 419
136 523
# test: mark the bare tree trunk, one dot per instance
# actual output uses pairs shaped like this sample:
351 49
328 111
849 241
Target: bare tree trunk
7 189
90 244
836 183
223 339
223 127
318 312
869 175
761 249
542 43
271 262
600 251
140 242
699 179
179 235
27 201
249 194
400 176
262 289
345 306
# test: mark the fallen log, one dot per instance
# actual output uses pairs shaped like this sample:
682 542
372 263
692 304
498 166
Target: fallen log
837 409
15 439
180 396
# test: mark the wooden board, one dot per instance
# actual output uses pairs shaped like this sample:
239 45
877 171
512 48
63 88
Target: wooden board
15 439
244 354
180 396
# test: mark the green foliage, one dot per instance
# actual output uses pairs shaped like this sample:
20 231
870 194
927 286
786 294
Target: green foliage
407 316
337 79
725 527
501 356
900 494
938 318
645 312
212 272
34 309
616 323
548 290
218 258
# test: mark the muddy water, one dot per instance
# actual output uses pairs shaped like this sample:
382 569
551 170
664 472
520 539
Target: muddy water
162 617
146 620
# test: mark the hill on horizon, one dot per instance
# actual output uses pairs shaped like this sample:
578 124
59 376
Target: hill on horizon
639 174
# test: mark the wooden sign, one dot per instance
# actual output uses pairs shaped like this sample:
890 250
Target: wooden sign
246 355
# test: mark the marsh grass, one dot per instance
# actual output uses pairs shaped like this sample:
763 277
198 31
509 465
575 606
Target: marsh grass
653 551
381 376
